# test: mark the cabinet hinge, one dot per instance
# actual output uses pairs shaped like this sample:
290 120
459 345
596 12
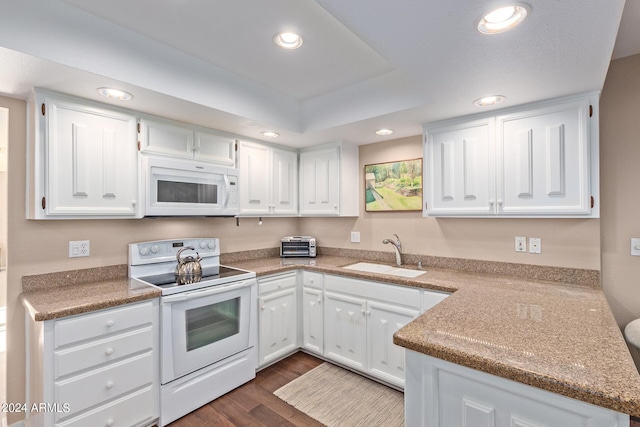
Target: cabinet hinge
138 145
593 202
43 109
44 202
236 146
590 110
425 205
138 127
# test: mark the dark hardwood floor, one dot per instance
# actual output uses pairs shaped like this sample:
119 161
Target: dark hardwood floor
254 403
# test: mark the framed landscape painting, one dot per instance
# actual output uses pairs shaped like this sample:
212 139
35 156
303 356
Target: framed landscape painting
393 186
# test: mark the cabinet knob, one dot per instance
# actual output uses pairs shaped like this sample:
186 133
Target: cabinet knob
134 202
491 202
110 422
109 385
363 311
262 307
110 323
319 300
109 351
500 202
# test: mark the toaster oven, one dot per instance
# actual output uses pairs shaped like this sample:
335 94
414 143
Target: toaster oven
298 246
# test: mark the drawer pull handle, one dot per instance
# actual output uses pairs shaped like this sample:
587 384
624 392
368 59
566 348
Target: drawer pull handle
109 351
110 422
110 385
110 323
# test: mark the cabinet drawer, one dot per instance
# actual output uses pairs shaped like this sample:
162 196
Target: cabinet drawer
391 294
100 323
95 353
274 283
94 387
311 279
133 409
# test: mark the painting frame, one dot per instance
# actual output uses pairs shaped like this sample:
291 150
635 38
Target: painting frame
394 186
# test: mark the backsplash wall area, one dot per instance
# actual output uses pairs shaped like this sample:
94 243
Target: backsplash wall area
566 242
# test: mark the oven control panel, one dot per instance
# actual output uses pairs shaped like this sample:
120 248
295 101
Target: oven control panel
165 250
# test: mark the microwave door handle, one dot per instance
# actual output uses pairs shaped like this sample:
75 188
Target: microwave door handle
228 189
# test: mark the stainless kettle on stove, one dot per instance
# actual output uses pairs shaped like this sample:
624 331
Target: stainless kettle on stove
188 269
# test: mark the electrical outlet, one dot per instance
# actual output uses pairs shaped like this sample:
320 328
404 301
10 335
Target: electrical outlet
521 244
355 237
635 246
78 248
535 245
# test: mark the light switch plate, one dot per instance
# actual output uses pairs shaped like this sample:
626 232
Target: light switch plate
535 244
355 237
635 246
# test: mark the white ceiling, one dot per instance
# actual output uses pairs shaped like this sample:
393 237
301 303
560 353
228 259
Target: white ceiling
364 64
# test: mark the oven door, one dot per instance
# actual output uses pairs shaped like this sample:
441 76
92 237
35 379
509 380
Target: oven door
204 326
183 188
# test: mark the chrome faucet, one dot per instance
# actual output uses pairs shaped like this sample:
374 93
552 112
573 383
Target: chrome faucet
397 245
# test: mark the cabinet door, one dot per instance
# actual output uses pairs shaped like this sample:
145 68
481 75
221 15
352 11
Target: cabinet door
345 329
386 360
278 329
253 163
460 176
214 148
284 182
92 161
543 161
320 182
312 317
167 139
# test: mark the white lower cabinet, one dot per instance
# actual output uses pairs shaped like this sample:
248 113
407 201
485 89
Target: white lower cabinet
386 360
278 317
100 368
360 318
312 320
345 329
444 394
346 320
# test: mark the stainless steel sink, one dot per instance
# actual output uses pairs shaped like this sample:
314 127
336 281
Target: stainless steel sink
370 267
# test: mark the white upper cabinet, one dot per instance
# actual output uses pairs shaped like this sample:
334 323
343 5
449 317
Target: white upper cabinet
461 172
268 180
543 159
329 180
82 160
540 160
178 140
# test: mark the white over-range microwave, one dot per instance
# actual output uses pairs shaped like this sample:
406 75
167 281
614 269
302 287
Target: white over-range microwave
189 188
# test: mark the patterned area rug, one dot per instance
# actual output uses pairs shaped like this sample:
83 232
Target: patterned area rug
339 398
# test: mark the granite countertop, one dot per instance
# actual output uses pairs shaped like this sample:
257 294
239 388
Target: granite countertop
57 295
556 336
553 335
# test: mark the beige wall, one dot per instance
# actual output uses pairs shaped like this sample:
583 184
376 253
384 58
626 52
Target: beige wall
565 242
42 246
619 183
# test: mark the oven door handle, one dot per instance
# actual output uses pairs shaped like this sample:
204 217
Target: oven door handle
214 290
227 187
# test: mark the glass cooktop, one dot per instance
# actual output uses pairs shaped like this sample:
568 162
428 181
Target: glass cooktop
208 274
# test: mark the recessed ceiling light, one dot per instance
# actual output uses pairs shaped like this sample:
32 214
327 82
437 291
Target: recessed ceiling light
503 18
488 101
384 132
112 93
288 40
270 134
